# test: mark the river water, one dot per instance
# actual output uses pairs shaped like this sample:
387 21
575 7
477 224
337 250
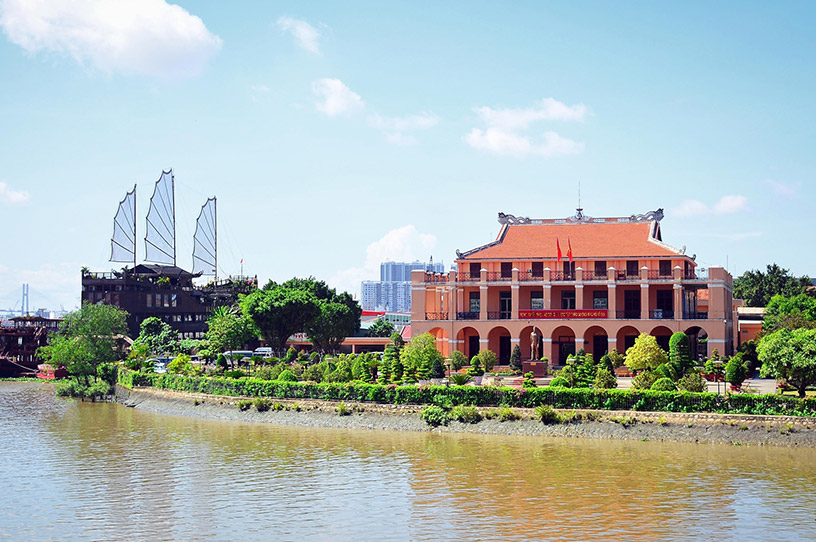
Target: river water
72 470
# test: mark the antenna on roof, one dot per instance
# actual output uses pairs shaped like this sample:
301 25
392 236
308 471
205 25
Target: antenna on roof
579 212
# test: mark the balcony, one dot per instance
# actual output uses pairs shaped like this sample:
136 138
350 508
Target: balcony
436 315
469 277
628 315
660 314
560 275
695 315
623 275
435 277
498 275
467 315
657 275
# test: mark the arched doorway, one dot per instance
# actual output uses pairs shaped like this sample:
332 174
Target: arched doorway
498 340
441 341
563 345
698 343
468 341
596 342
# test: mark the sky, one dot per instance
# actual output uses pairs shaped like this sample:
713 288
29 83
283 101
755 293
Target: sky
339 135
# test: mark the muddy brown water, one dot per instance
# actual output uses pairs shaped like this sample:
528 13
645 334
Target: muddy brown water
72 470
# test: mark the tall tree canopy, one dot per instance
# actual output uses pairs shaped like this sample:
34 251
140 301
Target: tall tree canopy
87 339
789 355
757 288
302 305
790 313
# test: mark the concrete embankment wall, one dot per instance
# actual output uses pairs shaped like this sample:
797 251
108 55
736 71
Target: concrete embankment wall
733 429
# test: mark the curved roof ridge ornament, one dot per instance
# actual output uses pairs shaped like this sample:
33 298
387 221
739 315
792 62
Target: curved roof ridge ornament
651 215
512 219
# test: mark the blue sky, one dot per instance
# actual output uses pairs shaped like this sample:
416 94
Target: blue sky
336 135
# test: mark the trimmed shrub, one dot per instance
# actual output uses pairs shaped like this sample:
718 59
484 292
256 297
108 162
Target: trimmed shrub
604 379
692 381
465 414
237 373
559 382
515 360
458 360
437 369
288 376
680 352
529 381
667 370
488 359
434 416
475 366
735 371
663 384
291 355
644 380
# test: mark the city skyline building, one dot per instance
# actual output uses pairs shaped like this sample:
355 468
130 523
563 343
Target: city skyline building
393 291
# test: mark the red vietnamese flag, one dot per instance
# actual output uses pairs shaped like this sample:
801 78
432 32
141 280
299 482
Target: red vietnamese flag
569 249
558 246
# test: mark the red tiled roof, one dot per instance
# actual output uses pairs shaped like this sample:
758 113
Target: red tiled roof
589 240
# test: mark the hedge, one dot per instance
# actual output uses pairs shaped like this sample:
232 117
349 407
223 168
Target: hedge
485 396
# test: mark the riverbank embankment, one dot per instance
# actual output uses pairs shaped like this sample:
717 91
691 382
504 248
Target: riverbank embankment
704 428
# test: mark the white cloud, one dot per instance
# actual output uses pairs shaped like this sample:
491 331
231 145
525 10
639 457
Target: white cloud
336 98
404 244
132 37
500 141
504 135
787 190
395 128
9 196
306 35
547 109
725 205
731 204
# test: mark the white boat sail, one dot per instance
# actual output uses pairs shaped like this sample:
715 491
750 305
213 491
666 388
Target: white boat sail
123 240
160 236
205 240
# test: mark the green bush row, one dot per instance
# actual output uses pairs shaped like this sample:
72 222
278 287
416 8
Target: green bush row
486 396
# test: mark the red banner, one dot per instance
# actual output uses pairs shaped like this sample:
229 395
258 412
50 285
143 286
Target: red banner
562 314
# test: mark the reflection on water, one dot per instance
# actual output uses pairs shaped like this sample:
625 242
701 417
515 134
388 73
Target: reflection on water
103 471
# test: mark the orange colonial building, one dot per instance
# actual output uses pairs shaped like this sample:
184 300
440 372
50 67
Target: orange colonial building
615 279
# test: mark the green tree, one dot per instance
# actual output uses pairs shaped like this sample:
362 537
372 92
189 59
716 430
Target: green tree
604 379
337 317
757 288
87 339
735 371
488 359
385 368
279 311
789 355
228 329
458 360
515 359
475 366
645 354
418 355
381 328
789 312
680 352
158 336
